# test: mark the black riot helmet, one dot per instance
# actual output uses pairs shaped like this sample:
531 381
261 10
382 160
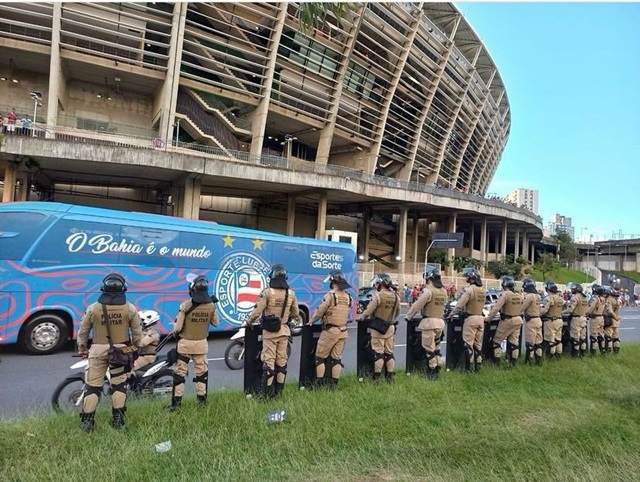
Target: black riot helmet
278 271
508 283
472 276
383 279
113 283
339 279
199 289
574 287
551 286
529 285
432 274
597 289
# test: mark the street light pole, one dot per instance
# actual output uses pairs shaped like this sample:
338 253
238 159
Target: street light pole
37 97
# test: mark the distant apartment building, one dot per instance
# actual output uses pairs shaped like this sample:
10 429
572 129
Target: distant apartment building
559 222
527 198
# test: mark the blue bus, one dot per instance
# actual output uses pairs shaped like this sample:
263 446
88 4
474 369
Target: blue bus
53 257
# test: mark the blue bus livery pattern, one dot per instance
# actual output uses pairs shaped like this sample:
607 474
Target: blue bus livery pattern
53 257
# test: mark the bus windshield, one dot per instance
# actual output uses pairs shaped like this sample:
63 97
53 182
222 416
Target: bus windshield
18 232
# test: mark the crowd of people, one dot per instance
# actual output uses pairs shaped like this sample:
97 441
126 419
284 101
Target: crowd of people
12 123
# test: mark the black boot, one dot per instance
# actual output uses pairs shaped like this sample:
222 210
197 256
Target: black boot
616 350
538 360
277 390
333 383
118 417
496 361
558 356
376 376
477 367
87 421
202 400
512 362
176 402
388 376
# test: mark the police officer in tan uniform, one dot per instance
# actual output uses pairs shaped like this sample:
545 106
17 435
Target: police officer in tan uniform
510 307
471 304
334 312
191 329
150 339
612 311
124 325
430 305
385 305
578 306
595 313
280 301
551 313
533 323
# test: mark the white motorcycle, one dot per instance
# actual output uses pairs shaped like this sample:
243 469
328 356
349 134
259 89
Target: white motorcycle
234 353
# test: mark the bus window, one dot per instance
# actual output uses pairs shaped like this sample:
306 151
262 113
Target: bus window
72 242
18 232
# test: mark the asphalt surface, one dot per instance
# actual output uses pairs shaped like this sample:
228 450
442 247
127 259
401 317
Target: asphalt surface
27 382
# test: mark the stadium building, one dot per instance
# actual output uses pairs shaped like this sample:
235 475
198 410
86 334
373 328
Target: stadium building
389 122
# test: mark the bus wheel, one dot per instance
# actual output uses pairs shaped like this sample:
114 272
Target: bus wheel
44 334
296 326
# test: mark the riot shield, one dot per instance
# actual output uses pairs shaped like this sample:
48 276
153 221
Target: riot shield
567 346
487 339
455 344
253 383
365 353
310 336
416 359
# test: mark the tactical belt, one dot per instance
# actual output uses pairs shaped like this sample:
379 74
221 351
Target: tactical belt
529 317
596 316
326 326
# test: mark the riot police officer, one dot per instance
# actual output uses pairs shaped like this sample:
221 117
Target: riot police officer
510 307
385 306
533 323
192 328
551 313
123 331
578 306
471 304
277 305
334 312
595 312
150 339
612 311
431 307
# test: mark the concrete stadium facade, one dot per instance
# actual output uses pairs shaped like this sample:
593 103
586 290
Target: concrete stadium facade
403 92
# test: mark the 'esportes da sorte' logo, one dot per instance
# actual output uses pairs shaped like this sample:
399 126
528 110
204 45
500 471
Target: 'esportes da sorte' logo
238 285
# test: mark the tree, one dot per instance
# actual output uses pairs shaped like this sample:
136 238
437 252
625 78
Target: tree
460 262
507 266
567 251
438 256
312 14
546 264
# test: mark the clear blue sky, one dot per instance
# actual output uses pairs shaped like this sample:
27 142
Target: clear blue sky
572 74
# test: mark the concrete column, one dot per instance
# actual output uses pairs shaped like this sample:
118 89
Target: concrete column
55 71
291 215
191 198
8 193
262 110
533 254
472 237
169 93
416 238
402 244
525 245
504 240
322 216
496 245
516 247
177 198
23 188
364 235
451 252
484 245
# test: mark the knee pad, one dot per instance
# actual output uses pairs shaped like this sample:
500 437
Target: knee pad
178 379
120 387
183 358
320 361
268 371
511 348
497 346
388 356
438 352
90 390
203 378
377 356
430 354
335 361
600 339
593 339
280 369
468 348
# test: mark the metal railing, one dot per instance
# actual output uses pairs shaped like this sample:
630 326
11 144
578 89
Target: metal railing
67 133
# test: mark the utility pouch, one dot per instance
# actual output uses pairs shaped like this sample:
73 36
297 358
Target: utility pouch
119 357
608 321
379 325
270 323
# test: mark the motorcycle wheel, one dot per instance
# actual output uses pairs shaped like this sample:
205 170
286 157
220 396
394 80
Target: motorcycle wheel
67 397
163 383
234 355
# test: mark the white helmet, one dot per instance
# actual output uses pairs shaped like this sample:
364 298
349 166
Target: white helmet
149 318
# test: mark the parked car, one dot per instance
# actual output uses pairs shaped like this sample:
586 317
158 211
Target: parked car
364 297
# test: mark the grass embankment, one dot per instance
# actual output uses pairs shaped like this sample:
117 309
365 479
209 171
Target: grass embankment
562 276
632 275
574 420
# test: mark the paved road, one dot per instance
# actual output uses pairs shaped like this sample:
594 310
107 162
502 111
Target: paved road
27 382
